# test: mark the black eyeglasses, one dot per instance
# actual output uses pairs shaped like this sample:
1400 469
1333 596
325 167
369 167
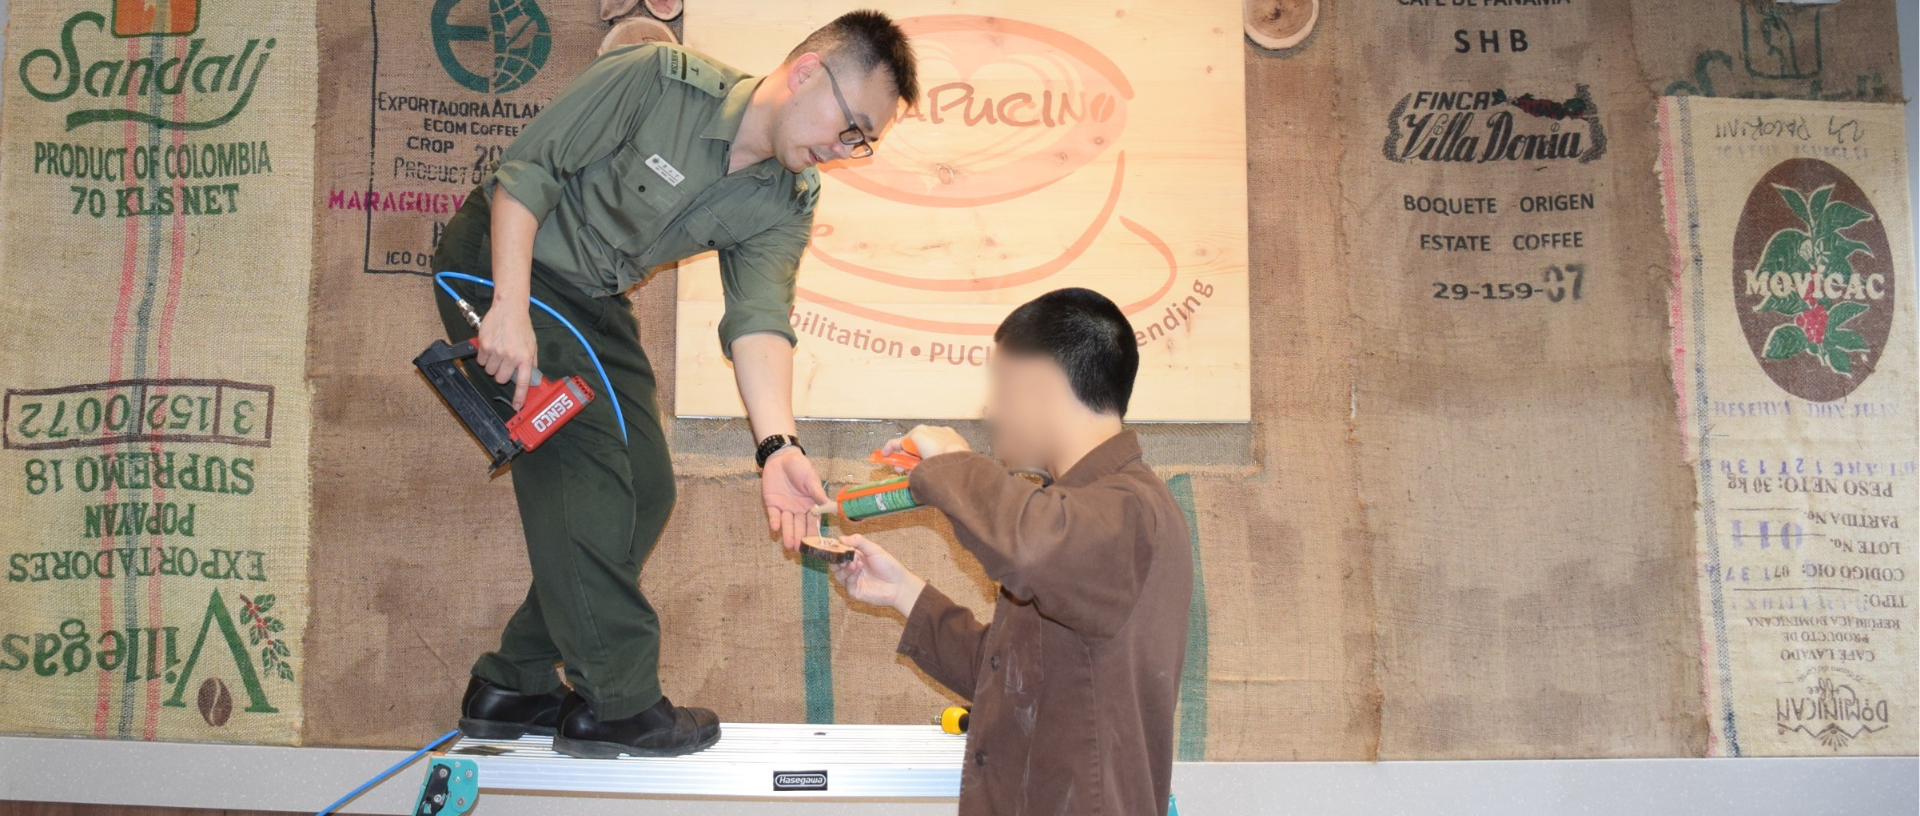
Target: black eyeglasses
853 136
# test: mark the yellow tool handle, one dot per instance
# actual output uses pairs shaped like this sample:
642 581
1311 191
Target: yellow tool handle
954 719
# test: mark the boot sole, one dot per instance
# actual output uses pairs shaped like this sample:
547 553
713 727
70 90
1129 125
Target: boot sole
591 749
497 730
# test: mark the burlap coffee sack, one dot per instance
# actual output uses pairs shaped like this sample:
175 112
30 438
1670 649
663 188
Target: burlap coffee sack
157 162
1518 455
1794 361
1284 556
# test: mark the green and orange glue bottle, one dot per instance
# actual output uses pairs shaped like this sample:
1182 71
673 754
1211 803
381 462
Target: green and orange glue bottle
863 501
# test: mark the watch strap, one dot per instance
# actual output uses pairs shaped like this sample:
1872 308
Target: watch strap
772 445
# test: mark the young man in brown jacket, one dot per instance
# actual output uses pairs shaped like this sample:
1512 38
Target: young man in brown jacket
1074 682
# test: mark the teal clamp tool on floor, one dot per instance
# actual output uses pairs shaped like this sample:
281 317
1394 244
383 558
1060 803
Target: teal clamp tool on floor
450 789
382 776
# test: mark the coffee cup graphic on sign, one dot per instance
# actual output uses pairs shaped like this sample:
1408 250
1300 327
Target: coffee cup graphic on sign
1012 154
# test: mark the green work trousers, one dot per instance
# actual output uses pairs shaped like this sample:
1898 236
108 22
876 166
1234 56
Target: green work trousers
592 503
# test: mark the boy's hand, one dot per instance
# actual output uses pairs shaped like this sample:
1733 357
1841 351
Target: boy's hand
929 441
876 577
507 348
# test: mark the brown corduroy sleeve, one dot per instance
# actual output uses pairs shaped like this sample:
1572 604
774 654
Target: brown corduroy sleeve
945 640
1073 552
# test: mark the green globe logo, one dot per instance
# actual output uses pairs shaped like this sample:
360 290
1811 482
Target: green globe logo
516 42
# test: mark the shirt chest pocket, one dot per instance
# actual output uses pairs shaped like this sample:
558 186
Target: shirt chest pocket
631 203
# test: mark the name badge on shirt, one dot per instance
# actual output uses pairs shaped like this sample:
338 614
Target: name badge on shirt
665 170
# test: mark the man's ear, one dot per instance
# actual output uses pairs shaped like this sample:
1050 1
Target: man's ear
801 69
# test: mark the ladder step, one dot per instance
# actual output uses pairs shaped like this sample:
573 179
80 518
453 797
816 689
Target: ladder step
751 759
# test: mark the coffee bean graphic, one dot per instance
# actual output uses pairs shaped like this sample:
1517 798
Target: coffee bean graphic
216 703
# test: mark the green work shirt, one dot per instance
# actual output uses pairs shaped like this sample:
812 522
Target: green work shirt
627 170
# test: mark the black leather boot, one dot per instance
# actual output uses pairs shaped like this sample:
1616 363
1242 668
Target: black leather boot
664 730
490 711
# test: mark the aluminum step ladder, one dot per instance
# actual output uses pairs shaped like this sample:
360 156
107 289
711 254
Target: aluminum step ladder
751 759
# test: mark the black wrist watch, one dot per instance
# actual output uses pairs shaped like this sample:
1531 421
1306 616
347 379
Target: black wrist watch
772 445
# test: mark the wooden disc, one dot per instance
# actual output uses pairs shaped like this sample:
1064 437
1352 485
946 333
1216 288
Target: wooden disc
665 9
616 9
829 550
636 30
1280 24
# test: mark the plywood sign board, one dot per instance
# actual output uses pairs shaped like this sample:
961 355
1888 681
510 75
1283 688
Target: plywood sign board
1793 356
1054 145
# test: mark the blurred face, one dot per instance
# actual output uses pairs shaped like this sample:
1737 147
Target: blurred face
808 129
1027 397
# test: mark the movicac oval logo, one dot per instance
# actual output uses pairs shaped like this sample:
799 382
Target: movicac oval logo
1813 279
1006 108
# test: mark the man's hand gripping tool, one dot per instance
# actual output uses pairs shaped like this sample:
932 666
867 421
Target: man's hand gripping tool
550 403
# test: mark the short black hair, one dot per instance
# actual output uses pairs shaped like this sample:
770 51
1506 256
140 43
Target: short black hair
1084 333
863 40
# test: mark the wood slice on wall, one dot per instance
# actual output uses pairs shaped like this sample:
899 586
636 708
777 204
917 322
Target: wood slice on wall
616 9
636 30
665 9
660 9
1280 24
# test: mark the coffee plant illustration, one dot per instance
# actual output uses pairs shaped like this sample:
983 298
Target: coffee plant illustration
263 631
1808 265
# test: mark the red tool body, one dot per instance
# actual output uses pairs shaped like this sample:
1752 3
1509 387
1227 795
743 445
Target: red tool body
550 404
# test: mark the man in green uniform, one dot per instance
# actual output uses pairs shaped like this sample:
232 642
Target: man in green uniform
653 154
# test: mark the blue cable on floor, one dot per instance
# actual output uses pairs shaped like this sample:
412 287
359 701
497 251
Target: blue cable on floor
381 777
618 415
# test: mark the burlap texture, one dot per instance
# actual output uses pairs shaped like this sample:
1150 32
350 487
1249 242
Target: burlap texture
154 302
1518 461
1764 49
1285 559
1795 372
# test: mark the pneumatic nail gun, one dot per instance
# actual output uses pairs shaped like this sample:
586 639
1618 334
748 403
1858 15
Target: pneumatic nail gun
549 405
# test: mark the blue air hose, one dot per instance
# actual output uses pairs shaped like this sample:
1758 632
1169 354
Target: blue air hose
441 278
377 778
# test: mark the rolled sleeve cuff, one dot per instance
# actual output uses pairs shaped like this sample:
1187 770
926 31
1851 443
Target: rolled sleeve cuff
743 319
530 184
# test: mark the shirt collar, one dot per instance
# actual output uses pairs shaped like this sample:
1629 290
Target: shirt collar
726 124
1104 460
